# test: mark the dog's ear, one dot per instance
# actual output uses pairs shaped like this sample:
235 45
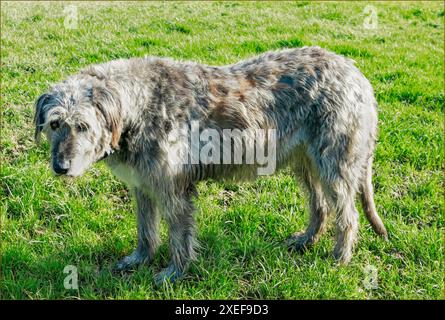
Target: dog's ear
107 100
94 71
40 114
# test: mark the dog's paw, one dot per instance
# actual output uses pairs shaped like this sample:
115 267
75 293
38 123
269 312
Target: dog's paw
342 255
131 262
299 241
167 275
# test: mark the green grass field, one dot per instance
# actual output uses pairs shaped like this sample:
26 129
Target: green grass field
48 223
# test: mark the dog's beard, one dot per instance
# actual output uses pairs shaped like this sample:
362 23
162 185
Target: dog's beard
79 165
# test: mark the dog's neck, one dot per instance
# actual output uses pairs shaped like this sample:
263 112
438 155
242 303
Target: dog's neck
135 111
129 100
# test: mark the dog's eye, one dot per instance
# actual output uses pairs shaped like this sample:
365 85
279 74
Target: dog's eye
54 124
82 127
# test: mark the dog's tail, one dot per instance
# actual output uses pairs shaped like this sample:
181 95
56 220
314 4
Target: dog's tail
368 205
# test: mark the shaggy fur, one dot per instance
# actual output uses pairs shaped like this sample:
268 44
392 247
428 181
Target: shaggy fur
137 114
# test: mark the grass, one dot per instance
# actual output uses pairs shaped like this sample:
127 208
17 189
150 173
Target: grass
48 223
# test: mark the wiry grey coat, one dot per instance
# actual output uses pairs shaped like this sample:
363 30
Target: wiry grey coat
137 114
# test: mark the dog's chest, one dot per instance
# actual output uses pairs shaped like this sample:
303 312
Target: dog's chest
127 174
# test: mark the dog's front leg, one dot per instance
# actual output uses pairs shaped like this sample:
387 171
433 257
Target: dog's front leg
182 229
148 235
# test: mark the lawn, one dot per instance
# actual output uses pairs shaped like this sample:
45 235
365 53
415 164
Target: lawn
48 223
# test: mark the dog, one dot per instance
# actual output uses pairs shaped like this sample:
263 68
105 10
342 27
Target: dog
138 115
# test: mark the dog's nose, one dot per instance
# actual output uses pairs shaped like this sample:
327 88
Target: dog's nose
59 169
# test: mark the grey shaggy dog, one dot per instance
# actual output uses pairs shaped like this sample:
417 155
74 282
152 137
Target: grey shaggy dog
136 114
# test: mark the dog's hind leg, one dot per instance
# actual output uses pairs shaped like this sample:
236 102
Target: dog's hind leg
342 197
318 207
182 235
148 235
339 178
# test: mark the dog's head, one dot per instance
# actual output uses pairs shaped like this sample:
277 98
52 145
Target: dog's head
81 118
